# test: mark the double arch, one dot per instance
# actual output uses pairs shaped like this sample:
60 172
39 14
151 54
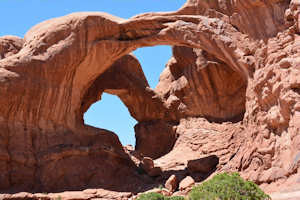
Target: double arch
69 61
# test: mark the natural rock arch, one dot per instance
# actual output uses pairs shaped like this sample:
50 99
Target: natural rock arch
63 63
64 57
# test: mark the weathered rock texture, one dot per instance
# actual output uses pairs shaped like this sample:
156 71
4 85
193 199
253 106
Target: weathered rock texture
235 63
196 83
10 45
198 138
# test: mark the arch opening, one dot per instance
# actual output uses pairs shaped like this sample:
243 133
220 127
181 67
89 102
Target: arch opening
192 83
116 110
110 113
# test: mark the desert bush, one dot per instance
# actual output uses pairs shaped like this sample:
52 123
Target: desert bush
156 196
227 187
176 198
151 196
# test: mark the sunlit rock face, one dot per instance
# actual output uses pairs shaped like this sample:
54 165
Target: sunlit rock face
196 83
234 76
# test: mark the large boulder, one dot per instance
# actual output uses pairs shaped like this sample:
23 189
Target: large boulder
154 138
203 165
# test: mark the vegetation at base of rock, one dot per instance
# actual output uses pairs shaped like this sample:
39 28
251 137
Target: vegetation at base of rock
157 196
227 187
176 198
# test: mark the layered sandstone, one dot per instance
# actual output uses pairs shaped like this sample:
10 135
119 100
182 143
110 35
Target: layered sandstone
231 89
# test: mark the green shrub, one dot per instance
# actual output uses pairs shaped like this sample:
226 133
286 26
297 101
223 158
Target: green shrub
156 196
175 198
227 187
151 196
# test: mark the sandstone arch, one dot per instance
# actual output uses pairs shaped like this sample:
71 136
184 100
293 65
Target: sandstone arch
63 58
64 64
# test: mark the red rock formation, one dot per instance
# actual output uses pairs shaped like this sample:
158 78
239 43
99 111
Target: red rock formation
268 152
10 45
198 138
126 79
198 85
272 113
58 63
230 58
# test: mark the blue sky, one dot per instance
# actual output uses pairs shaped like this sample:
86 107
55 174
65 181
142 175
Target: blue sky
17 16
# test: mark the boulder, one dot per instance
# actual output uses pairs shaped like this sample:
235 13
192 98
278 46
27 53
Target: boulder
147 164
172 183
186 183
154 138
203 165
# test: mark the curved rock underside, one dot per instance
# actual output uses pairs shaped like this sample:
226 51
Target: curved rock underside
231 89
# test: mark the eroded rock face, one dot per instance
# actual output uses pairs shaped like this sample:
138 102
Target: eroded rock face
197 84
199 138
272 115
229 58
292 16
10 45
